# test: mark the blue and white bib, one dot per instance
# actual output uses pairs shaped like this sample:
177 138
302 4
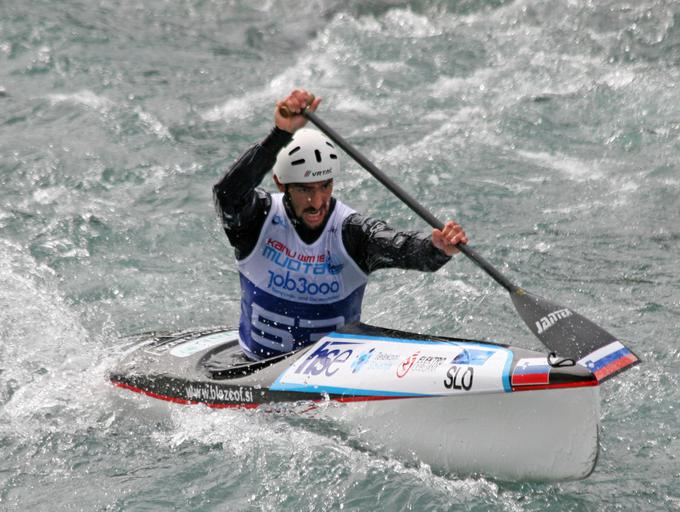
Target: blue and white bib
293 293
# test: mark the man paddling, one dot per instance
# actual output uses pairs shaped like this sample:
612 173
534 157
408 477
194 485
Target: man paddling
303 256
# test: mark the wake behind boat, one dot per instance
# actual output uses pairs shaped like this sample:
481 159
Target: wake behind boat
461 406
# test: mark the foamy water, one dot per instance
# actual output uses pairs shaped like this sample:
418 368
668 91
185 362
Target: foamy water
549 130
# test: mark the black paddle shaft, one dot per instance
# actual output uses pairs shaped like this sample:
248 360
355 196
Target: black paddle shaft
424 213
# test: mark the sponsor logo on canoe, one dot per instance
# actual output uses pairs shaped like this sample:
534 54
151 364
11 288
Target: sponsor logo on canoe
551 319
420 363
376 361
362 360
328 358
406 365
428 363
459 378
473 356
209 392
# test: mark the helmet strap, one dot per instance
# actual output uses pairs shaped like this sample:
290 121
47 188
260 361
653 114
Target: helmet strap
288 205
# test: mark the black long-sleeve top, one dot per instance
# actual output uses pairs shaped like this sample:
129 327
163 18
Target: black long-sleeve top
371 243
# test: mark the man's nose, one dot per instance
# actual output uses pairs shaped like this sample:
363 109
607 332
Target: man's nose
316 198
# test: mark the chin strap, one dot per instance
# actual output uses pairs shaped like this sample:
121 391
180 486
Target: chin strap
288 205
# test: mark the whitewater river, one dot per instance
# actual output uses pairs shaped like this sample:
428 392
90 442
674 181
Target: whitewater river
550 130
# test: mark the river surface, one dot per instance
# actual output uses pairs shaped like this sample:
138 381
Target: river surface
550 130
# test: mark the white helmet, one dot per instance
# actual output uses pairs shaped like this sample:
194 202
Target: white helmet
309 157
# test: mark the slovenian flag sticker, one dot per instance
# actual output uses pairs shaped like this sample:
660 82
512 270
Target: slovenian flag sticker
531 371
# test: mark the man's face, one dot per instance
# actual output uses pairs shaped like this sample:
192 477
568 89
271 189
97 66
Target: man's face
311 201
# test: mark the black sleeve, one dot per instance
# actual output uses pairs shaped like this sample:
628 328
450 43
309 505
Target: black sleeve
375 245
241 206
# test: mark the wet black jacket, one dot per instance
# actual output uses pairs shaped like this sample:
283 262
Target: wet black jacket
371 243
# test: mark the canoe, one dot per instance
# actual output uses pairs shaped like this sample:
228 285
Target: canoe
462 406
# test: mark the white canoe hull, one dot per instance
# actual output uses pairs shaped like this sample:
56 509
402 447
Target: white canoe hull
541 435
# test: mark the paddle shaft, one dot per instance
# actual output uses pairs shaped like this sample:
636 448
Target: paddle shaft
423 212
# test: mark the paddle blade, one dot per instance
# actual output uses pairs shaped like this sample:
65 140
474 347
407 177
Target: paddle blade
569 334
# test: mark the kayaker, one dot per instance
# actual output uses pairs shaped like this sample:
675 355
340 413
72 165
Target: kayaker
303 256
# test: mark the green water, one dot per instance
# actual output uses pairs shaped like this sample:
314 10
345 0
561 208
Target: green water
550 130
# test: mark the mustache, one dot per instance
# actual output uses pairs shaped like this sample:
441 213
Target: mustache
313 210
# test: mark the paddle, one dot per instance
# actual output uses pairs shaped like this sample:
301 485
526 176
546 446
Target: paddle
562 330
